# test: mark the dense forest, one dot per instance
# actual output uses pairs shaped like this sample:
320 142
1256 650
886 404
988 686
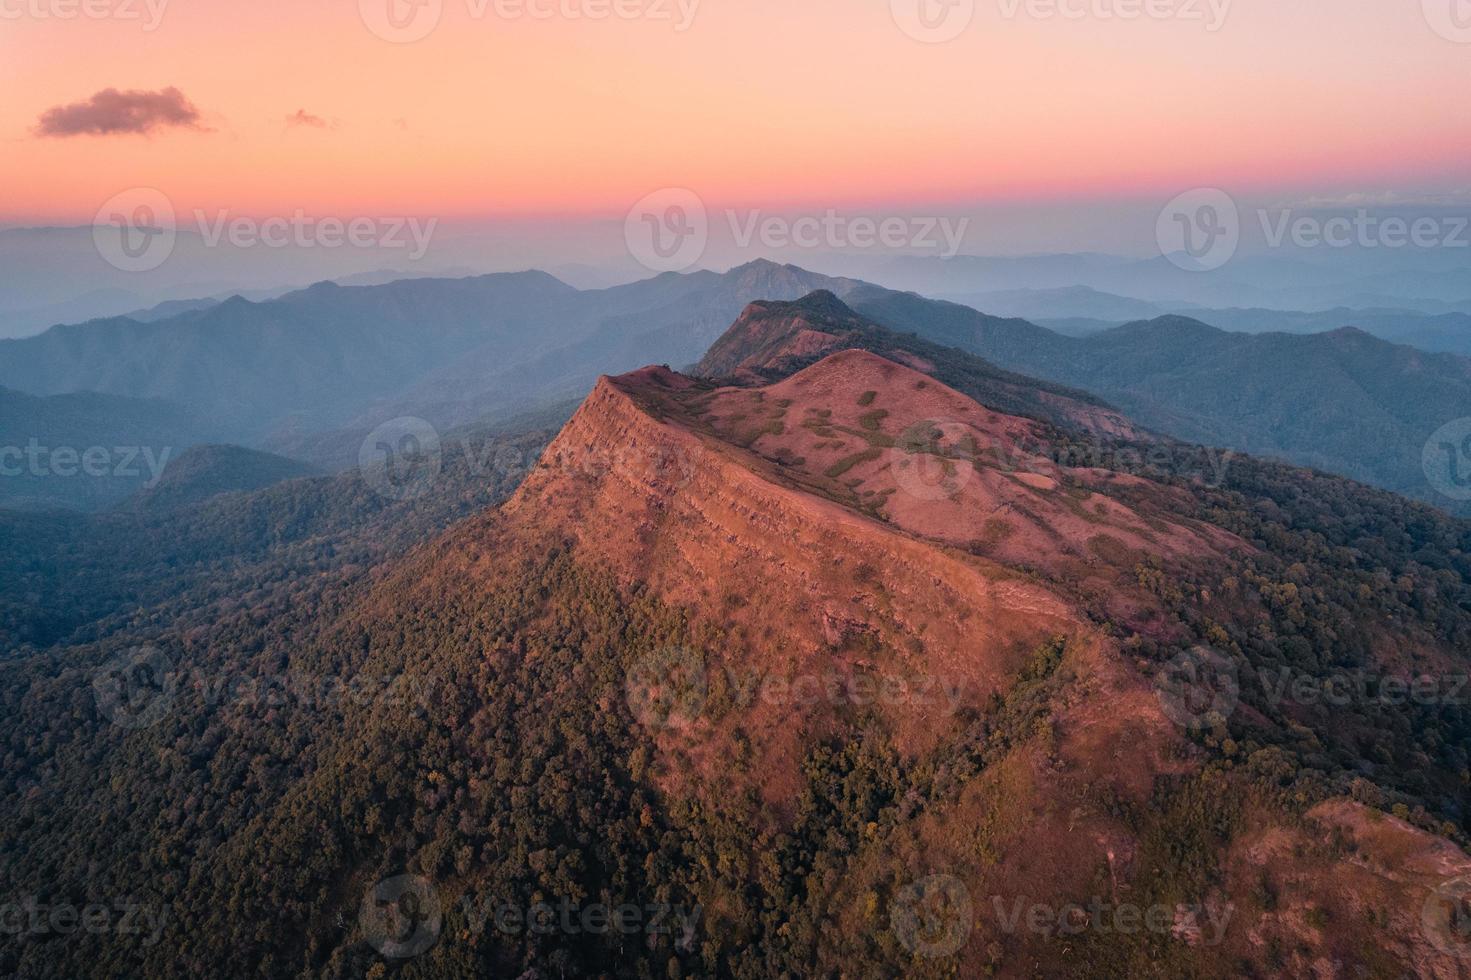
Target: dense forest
273 723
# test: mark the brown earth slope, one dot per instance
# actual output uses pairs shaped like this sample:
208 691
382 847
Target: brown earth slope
860 545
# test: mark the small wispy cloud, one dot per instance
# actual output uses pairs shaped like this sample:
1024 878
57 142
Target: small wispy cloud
303 118
111 113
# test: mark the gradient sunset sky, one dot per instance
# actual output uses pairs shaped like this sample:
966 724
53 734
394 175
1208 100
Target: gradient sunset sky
772 103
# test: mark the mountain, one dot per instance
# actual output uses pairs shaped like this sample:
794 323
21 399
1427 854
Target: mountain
86 451
62 275
1448 333
321 353
206 471
280 373
1082 310
310 374
1063 303
71 578
773 339
671 318
829 671
1430 280
1342 401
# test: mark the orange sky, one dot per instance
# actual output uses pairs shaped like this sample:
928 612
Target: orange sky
771 103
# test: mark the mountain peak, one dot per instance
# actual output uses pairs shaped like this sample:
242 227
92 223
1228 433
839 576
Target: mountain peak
820 304
775 339
761 266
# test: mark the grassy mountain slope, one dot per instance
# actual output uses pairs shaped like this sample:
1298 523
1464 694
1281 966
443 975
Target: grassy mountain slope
774 339
654 678
1342 401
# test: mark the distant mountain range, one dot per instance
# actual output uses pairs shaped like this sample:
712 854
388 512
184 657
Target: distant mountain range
1343 401
86 451
449 350
1433 281
309 374
1079 310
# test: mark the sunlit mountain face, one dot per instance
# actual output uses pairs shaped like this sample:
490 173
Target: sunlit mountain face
517 489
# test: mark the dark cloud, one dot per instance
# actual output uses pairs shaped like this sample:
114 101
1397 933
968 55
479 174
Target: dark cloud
110 112
304 118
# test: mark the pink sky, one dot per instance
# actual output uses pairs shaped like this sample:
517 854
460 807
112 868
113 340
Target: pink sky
769 103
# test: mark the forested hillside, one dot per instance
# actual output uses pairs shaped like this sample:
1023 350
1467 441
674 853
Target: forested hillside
309 747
